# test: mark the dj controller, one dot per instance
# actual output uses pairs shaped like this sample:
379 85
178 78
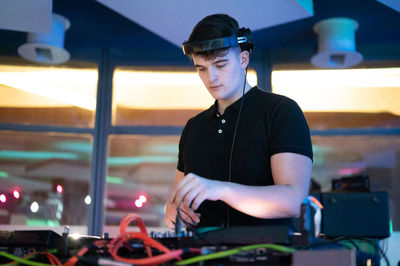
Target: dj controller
212 241
233 246
339 243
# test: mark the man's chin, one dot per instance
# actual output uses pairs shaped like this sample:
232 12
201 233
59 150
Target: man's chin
217 95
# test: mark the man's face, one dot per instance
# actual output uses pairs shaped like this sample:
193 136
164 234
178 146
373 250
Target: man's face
223 76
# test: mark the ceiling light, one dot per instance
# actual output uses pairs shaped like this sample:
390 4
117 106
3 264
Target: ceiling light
47 48
336 43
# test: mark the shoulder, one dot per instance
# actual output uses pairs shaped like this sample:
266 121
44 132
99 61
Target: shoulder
273 102
200 118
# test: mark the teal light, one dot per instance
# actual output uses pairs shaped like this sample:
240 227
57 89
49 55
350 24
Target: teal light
320 153
36 155
42 222
322 149
3 174
114 180
318 160
163 149
115 161
76 146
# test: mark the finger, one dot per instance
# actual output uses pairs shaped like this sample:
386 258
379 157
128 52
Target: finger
178 186
187 220
170 209
189 178
189 212
198 200
170 224
172 195
186 225
190 195
170 213
183 190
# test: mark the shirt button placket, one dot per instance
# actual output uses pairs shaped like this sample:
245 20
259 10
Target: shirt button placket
223 121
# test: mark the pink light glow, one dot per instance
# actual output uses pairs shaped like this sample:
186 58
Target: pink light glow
59 189
3 198
16 194
138 203
143 198
349 171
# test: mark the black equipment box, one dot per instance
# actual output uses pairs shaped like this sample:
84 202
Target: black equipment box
363 214
21 243
245 235
351 183
34 238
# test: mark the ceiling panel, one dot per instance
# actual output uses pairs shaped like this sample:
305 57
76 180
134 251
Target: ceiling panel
174 19
26 15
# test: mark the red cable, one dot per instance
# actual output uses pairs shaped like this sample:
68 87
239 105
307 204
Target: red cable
313 199
115 244
147 241
125 223
56 261
73 260
152 260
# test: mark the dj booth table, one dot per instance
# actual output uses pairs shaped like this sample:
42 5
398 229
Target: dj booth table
351 228
214 247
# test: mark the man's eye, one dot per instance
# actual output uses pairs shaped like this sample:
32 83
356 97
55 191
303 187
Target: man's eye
220 66
201 69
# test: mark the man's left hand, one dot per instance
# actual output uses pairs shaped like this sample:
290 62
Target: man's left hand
192 190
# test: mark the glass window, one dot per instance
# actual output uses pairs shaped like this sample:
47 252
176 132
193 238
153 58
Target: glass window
141 172
351 98
44 178
159 98
55 96
376 156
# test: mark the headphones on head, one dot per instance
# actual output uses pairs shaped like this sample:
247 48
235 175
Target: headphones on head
243 39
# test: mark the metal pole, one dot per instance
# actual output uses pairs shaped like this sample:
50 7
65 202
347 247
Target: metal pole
99 155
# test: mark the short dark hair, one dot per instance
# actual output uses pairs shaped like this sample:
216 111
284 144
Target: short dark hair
213 27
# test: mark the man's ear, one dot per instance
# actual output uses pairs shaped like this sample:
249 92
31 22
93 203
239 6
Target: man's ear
244 59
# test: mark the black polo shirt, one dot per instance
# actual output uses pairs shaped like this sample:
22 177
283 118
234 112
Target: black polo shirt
269 124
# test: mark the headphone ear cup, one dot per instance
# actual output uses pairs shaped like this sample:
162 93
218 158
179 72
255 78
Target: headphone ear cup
249 45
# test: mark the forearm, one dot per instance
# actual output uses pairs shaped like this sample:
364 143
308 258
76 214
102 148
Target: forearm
275 201
291 176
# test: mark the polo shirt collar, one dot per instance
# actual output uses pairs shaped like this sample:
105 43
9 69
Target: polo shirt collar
213 110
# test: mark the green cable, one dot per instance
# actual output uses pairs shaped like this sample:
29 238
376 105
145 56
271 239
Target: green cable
229 252
23 261
17 263
52 251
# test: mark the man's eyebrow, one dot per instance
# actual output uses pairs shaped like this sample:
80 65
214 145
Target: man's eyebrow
220 61
216 62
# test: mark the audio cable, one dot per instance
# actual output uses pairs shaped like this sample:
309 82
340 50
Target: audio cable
233 142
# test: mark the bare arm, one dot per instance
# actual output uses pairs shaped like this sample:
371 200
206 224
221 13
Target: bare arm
291 173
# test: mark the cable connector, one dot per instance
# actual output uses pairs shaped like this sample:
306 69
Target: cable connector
178 223
306 219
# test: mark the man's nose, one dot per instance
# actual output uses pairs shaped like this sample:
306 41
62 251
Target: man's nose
212 75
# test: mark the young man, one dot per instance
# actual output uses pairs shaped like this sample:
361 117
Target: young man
246 160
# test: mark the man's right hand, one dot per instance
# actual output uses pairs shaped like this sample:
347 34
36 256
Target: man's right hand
188 216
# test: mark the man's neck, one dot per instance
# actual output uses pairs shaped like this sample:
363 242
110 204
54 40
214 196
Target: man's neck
223 104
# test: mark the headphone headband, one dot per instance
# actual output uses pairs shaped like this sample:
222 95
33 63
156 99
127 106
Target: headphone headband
243 39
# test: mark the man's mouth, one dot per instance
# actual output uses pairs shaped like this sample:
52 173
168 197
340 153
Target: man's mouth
215 87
